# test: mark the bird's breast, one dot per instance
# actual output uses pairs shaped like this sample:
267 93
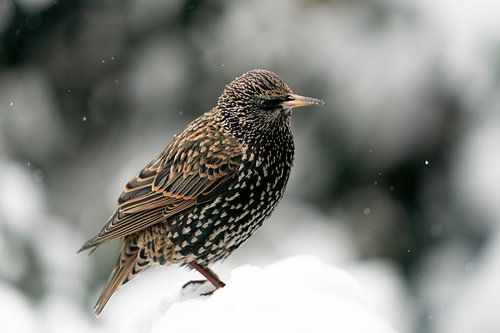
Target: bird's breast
213 230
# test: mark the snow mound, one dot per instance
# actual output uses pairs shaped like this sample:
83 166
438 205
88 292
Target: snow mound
300 294
16 314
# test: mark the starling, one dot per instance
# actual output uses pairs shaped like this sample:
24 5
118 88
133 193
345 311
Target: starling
210 188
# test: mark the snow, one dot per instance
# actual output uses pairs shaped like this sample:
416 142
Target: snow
16 314
386 291
54 314
298 294
461 291
57 313
473 305
21 200
63 272
476 172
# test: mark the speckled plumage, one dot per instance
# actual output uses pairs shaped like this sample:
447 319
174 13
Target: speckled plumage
211 187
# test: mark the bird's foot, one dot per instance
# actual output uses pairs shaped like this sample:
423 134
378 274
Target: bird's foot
193 283
214 280
197 288
209 293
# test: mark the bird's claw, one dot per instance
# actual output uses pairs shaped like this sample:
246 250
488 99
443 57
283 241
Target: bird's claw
209 293
193 282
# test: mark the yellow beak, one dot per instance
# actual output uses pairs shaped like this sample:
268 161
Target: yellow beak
298 101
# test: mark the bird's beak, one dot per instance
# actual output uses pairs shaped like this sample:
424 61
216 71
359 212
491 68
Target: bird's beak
296 101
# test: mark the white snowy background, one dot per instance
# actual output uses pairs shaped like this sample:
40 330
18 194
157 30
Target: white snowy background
391 220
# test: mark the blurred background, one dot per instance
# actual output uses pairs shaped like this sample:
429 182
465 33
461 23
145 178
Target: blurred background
396 179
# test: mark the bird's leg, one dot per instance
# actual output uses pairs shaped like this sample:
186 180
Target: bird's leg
211 276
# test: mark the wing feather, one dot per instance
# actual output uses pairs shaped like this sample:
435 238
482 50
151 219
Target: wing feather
192 167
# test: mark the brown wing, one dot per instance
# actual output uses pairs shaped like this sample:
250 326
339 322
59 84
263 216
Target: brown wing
201 161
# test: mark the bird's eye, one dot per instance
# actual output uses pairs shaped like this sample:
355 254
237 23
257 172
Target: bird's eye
269 104
265 104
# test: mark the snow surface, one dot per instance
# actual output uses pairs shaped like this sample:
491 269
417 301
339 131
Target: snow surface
473 305
20 317
299 294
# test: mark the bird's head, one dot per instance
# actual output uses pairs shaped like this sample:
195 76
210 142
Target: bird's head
259 103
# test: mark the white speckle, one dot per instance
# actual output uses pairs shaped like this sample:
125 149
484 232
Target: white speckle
103 61
112 58
366 211
375 182
426 162
222 65
28 163
69 91
11 103
84 118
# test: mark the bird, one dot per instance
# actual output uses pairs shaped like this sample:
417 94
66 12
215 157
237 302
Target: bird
211 187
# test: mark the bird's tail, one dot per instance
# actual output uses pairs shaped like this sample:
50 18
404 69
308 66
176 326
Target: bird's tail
125 269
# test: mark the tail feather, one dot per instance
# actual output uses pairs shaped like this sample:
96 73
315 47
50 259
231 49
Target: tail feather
97 240
124 270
